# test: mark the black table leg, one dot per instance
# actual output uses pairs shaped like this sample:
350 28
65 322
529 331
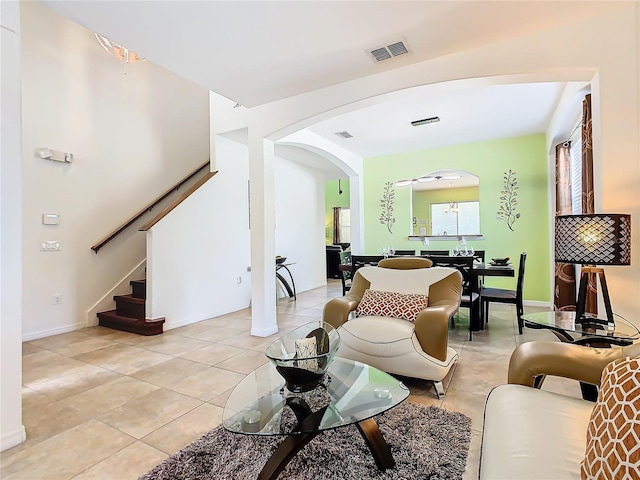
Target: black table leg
288 449
291 445
376 443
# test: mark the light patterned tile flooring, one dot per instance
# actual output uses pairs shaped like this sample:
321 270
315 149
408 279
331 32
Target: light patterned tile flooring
104 404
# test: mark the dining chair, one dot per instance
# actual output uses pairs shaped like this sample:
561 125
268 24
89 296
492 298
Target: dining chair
405 252
345 259
500 295
444 253
470 298
479 254
358 261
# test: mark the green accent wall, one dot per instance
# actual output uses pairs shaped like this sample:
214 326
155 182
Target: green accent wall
333 198
488 161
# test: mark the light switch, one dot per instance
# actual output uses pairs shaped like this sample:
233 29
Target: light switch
50 219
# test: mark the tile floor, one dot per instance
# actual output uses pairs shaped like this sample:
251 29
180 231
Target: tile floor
104 404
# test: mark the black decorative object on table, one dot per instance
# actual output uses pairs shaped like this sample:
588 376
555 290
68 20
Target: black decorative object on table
303 355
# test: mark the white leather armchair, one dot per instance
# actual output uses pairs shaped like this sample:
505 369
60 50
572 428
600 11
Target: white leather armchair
395 345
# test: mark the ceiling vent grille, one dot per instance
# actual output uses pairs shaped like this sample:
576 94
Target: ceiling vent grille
344 134
393 50
425 121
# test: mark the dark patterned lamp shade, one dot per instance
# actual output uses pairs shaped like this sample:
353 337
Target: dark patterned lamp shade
593 239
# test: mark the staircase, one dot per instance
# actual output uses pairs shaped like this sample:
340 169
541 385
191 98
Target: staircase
129 315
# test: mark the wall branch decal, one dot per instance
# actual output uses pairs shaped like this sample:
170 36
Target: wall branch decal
388 199
509 200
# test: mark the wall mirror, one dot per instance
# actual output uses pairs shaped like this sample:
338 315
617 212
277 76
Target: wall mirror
445 203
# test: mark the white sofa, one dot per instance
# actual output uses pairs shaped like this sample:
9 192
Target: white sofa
535 434
395 345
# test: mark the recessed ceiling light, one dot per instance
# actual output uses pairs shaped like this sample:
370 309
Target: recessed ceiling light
344 134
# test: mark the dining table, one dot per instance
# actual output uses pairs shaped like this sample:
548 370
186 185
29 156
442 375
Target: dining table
479 271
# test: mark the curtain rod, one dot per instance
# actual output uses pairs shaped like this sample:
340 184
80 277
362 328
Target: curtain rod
574 130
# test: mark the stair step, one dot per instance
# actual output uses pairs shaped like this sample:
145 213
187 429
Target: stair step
127 324
139 288
130 306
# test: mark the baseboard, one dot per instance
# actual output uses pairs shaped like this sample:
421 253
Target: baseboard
538 303
188 321
264 333
13 439
54 331
312 287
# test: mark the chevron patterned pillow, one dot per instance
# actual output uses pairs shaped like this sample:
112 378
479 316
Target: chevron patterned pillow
613 435
406 306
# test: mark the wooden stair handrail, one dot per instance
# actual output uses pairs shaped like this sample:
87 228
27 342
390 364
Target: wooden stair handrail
148 208
165 211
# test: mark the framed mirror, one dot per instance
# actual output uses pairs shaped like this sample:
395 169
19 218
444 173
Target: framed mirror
446 204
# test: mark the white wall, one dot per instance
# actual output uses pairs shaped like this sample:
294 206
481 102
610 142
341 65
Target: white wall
604 50
11 430
299 200
196 253
133 136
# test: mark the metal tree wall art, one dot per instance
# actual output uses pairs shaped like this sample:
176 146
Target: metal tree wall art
388 198
509 200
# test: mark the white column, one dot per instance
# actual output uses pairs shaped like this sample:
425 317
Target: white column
262 224
357 214
11 429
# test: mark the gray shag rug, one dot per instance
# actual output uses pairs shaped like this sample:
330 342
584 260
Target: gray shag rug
426 442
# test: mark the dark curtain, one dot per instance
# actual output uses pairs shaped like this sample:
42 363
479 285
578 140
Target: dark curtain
587 192
336 225
565 281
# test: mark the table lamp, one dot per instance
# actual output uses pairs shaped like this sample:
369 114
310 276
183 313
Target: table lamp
593 239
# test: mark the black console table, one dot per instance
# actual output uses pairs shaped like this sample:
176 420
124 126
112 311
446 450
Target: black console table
291 289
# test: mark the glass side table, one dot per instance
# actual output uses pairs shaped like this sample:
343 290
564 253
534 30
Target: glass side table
592 332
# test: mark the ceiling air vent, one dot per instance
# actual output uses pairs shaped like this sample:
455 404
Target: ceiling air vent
344 134
424 121
393 50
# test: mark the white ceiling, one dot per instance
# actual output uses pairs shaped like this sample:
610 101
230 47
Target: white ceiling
255 52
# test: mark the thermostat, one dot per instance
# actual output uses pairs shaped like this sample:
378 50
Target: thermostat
50 219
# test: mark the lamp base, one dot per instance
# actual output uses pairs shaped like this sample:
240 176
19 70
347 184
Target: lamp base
581 316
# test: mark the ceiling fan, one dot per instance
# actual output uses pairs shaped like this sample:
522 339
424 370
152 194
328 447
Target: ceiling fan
429 177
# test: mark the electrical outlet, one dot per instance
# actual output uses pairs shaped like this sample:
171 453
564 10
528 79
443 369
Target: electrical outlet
57 298
239 280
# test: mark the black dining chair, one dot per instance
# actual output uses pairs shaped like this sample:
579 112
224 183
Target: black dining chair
345 259
470 298
358 261
443 253
500 295
404 252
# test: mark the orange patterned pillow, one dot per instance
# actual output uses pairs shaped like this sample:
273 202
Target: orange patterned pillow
613 435
406 306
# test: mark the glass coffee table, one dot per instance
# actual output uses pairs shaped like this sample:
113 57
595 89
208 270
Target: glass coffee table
351 393
590 332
